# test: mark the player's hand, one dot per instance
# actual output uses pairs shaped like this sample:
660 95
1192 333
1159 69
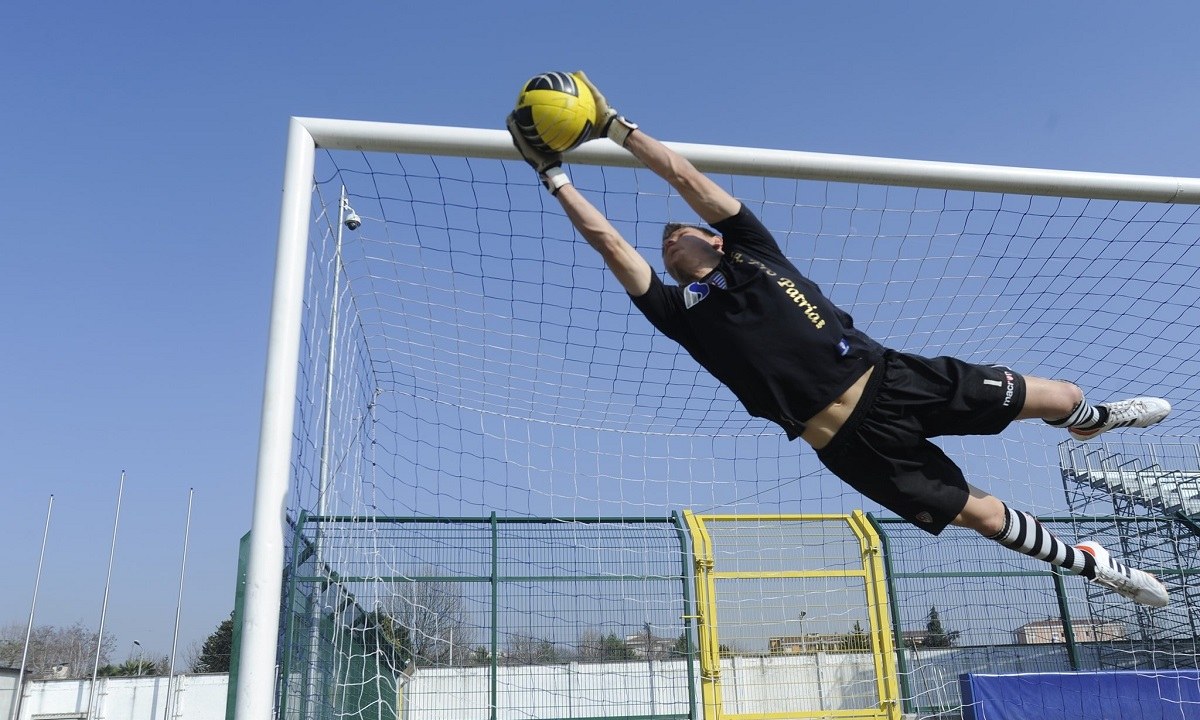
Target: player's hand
547 164
539 160
604 113
609 123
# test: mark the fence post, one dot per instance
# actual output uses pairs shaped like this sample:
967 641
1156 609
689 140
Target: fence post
1064 609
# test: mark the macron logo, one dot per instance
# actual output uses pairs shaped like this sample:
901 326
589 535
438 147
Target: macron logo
1009 386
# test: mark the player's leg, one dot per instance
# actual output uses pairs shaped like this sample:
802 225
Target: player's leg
1020 531
1063 405
884 455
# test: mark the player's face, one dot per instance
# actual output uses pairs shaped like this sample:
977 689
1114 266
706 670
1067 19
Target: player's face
690 254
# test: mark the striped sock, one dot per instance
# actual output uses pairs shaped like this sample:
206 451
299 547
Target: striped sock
1023 533
1084 416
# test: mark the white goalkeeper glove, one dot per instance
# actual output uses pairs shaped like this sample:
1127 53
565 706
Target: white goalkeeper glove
609 123
547 164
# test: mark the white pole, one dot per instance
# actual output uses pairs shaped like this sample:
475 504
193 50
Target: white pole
112 552
312 673
331 352
187 528
37 581
264 571
431 140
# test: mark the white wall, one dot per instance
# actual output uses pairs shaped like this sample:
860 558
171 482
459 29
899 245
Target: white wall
198 697
773 684
827 681
8 686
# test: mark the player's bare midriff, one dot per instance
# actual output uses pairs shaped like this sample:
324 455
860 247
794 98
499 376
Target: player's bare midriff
821 428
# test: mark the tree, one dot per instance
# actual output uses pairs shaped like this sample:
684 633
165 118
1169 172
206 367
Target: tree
528 650
615 649
936 635
858 639
481 656
596 647
589 648
55 651
433 614
381 636
216 654
133 668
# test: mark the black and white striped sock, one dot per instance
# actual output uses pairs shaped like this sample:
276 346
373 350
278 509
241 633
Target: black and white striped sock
1023 533
1084 416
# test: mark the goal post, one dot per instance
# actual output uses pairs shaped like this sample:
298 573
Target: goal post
255 693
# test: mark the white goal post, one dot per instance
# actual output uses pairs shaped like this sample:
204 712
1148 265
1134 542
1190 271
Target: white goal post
260 621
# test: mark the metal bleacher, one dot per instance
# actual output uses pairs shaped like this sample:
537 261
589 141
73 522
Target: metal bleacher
1132 478
1142 501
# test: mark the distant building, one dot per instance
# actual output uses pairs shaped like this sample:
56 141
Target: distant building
650 646
818 642
61 671
1050 630
913 638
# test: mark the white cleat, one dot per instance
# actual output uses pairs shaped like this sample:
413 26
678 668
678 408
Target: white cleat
1137 585
1138 412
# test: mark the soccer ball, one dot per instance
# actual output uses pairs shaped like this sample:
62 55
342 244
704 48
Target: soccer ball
555 111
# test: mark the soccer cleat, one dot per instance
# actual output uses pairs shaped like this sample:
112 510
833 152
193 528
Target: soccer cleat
1137 585
1137 412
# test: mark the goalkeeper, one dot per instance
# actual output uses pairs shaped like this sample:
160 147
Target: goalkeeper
745 313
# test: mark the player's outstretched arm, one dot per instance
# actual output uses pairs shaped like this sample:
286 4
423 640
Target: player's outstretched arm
629 267
625 262
710 201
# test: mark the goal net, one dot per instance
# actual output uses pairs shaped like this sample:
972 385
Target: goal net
483 450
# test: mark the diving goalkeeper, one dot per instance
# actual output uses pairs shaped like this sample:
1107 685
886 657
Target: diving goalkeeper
748 315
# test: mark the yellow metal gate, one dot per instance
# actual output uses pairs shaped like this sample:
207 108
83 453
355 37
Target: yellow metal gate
793 617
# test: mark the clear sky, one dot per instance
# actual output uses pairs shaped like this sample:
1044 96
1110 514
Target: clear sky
141 160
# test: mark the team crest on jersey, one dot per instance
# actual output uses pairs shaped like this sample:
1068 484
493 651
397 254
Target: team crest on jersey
694 293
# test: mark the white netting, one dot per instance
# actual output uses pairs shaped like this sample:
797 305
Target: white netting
483 360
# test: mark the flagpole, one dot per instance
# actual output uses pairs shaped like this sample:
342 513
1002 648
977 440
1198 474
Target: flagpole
37 581
104 606
187 528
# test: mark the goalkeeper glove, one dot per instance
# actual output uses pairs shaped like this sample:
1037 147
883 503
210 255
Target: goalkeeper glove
548 165
609 123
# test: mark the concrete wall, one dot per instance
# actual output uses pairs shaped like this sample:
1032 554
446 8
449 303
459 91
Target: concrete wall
198 697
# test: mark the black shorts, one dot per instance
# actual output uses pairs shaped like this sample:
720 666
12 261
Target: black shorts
882 450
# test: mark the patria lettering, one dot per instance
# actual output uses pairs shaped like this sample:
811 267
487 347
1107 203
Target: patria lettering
809 310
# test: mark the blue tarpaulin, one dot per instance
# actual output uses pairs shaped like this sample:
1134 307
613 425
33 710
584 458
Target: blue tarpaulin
1117 695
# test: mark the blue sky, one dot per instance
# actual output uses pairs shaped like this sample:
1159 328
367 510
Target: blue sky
139 197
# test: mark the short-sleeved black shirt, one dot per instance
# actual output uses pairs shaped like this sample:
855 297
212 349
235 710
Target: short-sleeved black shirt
769 334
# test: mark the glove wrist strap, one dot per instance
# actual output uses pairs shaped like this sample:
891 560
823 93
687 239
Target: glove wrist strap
619 128
554 179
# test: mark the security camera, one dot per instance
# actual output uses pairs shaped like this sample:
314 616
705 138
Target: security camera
353 221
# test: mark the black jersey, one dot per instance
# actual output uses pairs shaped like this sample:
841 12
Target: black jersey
763 329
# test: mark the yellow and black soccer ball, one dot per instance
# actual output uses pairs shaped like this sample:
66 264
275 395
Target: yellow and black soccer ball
555 111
